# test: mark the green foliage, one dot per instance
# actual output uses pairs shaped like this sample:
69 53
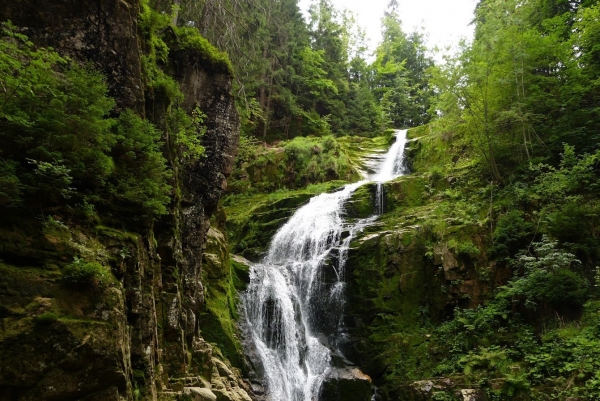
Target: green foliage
54 133
493 341
401 78
46 318
527 339
10 185
464 247
190 39
512 233
290 165
187 133
567 197
59 146
81 274
547 278
517 90
312 161
292 78
140 169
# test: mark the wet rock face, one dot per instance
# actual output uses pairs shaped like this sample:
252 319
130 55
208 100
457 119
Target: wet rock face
102 32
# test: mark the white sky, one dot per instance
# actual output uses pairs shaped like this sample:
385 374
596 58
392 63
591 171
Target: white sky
444 21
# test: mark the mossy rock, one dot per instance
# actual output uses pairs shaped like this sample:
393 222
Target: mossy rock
197 48
362 202
346 384
218 320
241 277
393 287
405 192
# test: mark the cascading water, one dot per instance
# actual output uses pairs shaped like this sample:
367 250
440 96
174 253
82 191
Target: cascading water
390 168
295 300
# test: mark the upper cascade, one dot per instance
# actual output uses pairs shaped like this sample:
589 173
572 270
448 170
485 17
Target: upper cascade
393 164
295 300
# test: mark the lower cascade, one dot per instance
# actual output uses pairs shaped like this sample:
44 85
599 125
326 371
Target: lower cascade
294 303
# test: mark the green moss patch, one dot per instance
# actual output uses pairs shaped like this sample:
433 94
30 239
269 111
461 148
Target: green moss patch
189 39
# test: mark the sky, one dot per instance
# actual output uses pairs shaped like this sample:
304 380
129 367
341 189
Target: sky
445 21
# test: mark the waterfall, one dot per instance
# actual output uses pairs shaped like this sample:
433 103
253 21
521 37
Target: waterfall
393 165
295 300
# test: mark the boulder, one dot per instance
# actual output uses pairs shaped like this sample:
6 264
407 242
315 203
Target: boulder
346 384
471 395
199 394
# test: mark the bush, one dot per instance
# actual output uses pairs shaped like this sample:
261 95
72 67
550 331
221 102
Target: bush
84 274
548 278
511 234
10 186
315 160
54 132
141 169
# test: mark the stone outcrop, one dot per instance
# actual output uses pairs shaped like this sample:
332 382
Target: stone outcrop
404 274
138 334
346 384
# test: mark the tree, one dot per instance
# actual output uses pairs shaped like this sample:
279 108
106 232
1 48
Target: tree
401 77
54 130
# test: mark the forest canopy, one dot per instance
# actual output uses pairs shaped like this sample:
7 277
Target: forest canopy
315 77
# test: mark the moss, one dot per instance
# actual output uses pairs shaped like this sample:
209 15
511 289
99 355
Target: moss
359 149
407 191
398 289
395 293
81 273
190 39
362 202
46 318
218 321
292 164
241 276
117 234
24 273
24 242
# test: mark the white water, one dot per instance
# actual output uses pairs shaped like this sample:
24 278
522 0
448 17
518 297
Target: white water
295 300
390 169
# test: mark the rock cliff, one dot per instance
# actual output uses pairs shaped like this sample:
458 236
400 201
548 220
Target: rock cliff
139 333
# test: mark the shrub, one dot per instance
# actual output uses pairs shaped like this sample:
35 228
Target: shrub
54 130
141 169
547 278
511 234
84 274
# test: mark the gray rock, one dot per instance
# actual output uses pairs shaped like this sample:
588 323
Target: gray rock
346 384
199 394
471 395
